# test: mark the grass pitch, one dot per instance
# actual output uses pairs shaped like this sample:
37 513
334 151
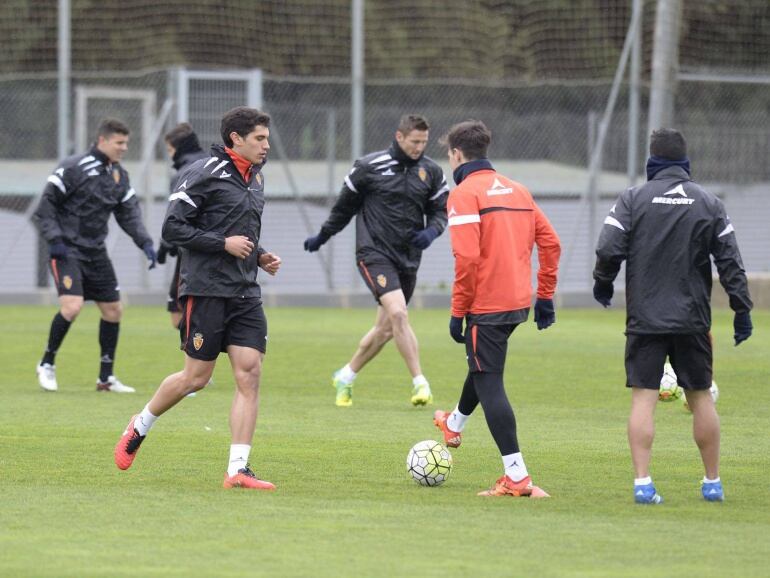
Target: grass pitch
345 505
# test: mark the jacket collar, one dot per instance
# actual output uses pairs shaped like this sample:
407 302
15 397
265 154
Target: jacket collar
397 153
465 169
657 164
675 172
100 156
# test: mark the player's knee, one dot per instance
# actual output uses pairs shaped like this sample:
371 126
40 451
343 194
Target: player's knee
112 312
399 318
71 311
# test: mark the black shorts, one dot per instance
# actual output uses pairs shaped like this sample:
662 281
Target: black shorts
382 276
173 306
93 279
690 355
486 347
210 324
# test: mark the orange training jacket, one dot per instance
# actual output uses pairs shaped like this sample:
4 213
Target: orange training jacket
494 224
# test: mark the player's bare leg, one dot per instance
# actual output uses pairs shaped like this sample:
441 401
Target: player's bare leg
641 433
373 342
705 429
70 306
247 370
176 319
172 390
175 387
394 304
641 428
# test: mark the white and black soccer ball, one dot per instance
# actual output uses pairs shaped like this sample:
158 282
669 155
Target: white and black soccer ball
669 387
429 463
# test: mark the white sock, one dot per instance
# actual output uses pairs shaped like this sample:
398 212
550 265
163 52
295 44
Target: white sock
346 375
144 422
419 380
642 481
456 420
707 481
514 467
239 456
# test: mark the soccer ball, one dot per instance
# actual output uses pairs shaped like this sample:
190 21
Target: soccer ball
429 463
669 388
714 389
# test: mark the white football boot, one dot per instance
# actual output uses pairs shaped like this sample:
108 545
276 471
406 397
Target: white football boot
112 384
46 377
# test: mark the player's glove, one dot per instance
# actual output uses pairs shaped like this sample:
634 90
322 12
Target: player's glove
57 249
743 327
545 314
423 239
164 250
312 244
603 292
152 257
456 329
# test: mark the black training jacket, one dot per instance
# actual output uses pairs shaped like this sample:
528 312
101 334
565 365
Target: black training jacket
181 162
666 230
393 197
78 200
211 202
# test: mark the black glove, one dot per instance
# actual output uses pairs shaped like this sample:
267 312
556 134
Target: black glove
456 329
57 249
742 325
162 252
603 291
545 314
151 256
312 244
423 239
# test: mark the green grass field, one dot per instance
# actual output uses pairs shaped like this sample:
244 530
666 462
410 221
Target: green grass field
344 504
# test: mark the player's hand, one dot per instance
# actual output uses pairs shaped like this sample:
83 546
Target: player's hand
152 257
423 239
270 263
162 252
312 244
239 246
743 327
545 314
57 249
456 329
603 292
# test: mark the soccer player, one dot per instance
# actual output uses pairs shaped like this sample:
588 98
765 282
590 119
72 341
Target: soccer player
184 149
398 196
72 217
493 225
666 230
215 217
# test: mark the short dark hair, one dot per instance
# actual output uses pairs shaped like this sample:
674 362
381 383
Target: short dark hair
179 133
242 120
410 122
668 143
111 126
472 137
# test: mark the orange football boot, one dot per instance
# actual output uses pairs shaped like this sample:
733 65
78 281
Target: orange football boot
128 445
451 438
247 479
505 486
